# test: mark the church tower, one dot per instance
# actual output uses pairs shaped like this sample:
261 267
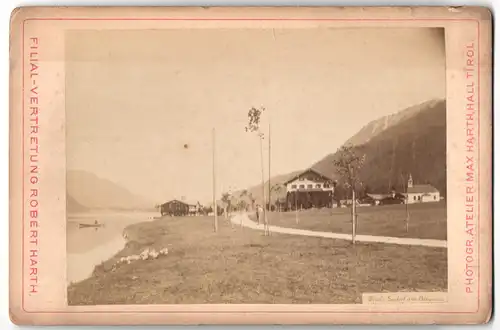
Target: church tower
410 182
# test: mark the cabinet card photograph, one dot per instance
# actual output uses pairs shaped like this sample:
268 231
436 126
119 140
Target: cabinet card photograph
250 165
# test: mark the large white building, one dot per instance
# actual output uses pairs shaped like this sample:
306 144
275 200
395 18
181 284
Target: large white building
421 193
309 189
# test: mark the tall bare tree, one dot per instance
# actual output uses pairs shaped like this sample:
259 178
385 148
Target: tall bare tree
348 165
254 121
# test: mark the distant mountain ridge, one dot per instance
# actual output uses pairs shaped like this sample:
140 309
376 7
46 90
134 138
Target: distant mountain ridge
73 206
415 144
410 141
375 127
86 191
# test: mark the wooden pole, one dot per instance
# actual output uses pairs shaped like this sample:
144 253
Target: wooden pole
296 210
407 216
405 186
269 174
406 202
216 225
392 164
230 206
263 182
353 216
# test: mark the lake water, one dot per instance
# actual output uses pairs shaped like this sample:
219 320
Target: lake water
88 247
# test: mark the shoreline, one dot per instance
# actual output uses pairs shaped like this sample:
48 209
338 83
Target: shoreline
84 264
88 261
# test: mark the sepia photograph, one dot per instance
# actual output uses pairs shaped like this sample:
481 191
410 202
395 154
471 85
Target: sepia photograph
250 165
255 166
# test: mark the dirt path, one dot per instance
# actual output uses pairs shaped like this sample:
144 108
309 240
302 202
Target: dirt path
246 222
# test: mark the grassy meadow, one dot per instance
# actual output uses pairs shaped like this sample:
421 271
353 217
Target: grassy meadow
427 220
240 265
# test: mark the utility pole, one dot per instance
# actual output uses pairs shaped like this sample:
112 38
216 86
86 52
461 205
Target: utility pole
216 227
230 205
269 195
353 216
296 211
261 137
407 222
392 164
407 212
353 208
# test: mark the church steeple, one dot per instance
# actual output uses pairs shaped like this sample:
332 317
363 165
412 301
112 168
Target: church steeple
410 181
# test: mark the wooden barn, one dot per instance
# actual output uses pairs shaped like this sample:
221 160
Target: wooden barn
175 208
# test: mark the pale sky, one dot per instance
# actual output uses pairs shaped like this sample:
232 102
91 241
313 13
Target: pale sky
134 98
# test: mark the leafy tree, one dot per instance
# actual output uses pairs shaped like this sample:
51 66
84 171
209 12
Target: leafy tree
207 210
226 199
252 199
348 166
242 205
278 189
254 116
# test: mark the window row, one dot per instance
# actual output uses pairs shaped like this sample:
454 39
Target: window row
418 198
310 186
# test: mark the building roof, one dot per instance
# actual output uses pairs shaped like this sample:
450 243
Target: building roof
174 201
422 188
191 203
307 170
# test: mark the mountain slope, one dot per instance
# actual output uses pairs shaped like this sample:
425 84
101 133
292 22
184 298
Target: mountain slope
92 192
377 126
411 141
73 206
415 145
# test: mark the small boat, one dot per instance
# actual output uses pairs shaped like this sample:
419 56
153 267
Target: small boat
87 225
